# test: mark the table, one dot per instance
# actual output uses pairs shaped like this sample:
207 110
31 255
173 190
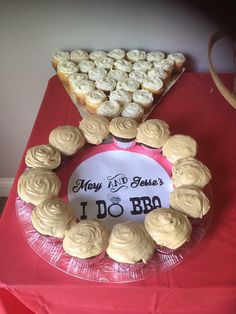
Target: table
204 283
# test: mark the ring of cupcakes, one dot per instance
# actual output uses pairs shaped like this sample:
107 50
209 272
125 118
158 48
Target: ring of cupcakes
86 74
130 244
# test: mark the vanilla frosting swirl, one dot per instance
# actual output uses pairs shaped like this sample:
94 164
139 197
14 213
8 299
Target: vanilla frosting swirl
96 96
83 86
190 200
117 75
179 146
86 239
130 243
128 84
132 110
123 127
116 53
123 65
95 128
109 109
143 97
168 227
53 217
68 67
67 139
153 84
79 55
176 57
76 77
97 54
86 65
154 73
37 184
153 133
165 64
142 65
104 63
61 56
155 56
190 171
136 55
122 96
97 73
106 84
43 156
138 76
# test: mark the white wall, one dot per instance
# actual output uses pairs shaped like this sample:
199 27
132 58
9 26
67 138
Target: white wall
30 31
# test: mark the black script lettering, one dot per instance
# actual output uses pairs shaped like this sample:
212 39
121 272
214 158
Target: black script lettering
137 181
83 216
81 184
102 209
137 209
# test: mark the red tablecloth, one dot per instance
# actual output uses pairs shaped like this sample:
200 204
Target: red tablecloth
204 283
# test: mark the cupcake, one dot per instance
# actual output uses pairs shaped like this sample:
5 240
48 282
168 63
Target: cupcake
97 74
67 139
178 147
152 134
133 110
155 86
97 54
104 63
128 84
142 65
38 184
94 99
85 65
168 227
158 73
73 82
123 65
124 131
43 156
166 65
190 200
190 171
81 89
53 217
136 55
86 240
129 243
138 76
116 53
109 109
121 96
79 55
155 56
117 75
179 60
95 128
106 84
60 56
64 70
144 98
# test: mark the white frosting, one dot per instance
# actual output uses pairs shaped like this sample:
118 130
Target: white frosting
117 53
155 73
78 55
128 84
83 87
155 56
68 67
86 65
97 74
61 56
104 63
165 64
142 65
76 77
109 109
138 76
176 57
123 65
132 110
121 95
143 97
106 84
97 54
136 55
153 85
96 97
117 75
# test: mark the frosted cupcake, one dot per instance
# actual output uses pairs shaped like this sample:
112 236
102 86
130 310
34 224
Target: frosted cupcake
168 227
190 171
81 89
85 66
166 65
142 65
86 240
152 134
97 74
190 200
123 65
116 53
106 84
94 99
73 82
144 98
64 70
121 96
138 76
155 86
79 55
117 75
67 139
128 84
178 147
104 63
129 244
53 217
158 73
179 60
133 110
97 54
95 128
155 56
124 131
136 55
109 109
43 156
60 56
38 184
